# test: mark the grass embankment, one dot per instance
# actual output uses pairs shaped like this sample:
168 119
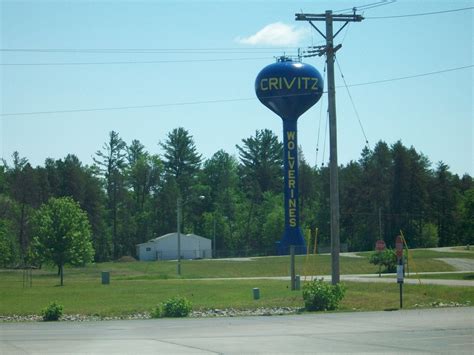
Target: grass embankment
123 297
139 286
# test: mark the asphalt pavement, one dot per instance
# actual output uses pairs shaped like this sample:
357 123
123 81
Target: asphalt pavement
446 330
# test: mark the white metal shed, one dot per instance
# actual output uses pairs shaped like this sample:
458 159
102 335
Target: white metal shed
166 247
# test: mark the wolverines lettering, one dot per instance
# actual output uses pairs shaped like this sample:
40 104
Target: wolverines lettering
291 178
283 83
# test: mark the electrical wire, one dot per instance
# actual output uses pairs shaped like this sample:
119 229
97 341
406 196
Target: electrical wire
325 137
134 62
146 50
410 76
345 33
368 6
372 6
319 130
352 102
320 119
220 101
419 14
126 107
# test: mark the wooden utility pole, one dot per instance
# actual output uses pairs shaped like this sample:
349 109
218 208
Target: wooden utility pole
329 49
179 211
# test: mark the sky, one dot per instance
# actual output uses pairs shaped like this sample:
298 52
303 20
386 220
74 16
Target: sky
72 71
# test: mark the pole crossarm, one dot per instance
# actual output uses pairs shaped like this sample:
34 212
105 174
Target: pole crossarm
322 17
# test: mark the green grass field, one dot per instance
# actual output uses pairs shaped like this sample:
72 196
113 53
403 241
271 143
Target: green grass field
252 267
139 286
123 297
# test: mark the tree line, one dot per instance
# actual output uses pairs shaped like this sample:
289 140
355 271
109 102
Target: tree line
129 196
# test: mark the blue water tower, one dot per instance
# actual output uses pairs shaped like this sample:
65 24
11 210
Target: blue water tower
289 88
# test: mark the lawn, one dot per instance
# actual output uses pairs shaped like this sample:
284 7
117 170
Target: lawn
139 286
251 267
377 297
130 296
123 297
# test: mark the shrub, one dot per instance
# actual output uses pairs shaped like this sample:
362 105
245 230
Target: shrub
173 307
157 312
386 258
321 296
52 312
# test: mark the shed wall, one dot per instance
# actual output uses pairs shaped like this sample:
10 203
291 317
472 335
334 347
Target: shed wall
165 248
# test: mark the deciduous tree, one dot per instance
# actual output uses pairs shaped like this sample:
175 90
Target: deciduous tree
62 234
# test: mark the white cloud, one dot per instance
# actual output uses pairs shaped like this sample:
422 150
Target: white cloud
276 34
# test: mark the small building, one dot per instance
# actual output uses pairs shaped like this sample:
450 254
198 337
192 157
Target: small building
166 247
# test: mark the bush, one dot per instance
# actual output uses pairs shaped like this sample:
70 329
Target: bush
386 258
321 296
52 312
173 307
157 312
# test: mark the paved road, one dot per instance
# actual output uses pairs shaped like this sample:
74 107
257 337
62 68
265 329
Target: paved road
448 330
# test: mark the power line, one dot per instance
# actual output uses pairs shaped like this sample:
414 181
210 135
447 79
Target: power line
374 5
133 62
410 76
325 137
218 101
419 14
352 102
126 107
320 118
345 33
146 50
368 6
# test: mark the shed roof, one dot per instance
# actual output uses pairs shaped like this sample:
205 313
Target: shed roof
171 235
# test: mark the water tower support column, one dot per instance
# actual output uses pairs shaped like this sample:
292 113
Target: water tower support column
292 234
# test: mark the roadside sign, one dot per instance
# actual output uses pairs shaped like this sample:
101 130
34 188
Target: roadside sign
379 245
400 273
400 281
399 247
